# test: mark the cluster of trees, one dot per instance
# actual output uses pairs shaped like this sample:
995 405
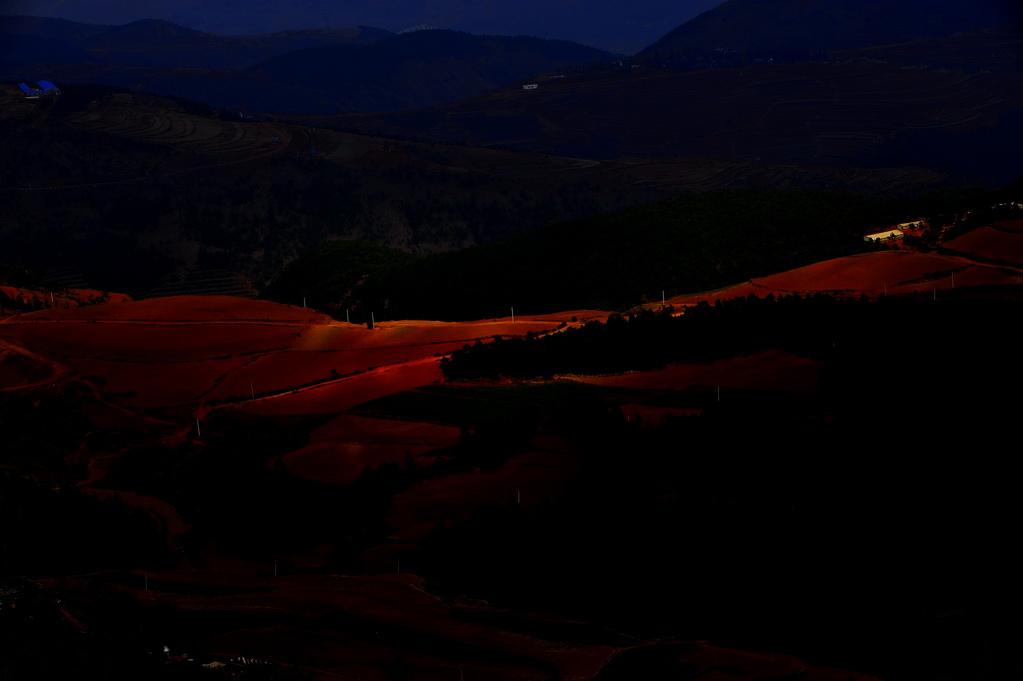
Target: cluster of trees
895 354
612 260
19 304
650 339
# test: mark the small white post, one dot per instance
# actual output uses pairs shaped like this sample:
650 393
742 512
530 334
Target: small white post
662 297
346 316
513 315
198 430
303 301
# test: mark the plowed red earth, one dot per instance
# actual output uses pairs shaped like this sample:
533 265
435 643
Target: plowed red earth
179 359
876 274
165 357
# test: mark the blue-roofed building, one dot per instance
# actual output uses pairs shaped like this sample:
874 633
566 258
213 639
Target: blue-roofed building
43 87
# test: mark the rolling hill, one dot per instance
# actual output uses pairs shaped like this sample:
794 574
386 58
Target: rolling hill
951 105
619 27
799 29
261 485
99 173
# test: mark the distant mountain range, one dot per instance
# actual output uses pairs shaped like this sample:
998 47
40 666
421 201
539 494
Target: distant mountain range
952 104
800 28
311 71
454 140
621 27
362 69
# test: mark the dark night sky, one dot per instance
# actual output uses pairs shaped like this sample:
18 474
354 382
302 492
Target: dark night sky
624 26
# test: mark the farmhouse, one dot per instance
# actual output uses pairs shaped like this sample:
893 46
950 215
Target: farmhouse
888 235
30 92
43 87
530 86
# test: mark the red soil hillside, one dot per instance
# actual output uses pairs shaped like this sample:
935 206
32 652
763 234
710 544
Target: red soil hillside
202 353
71 298
166 365
194 349
871 275
1001 242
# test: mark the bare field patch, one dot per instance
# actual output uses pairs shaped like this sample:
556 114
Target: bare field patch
772 369
526 479
339 451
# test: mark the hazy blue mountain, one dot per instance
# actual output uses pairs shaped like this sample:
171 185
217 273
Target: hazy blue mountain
951 104
155 43
623 27
795 28
420 69
310 71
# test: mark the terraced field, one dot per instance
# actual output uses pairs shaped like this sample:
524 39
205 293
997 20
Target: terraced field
155 120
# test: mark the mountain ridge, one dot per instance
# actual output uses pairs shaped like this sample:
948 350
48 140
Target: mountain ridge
312 70
799 28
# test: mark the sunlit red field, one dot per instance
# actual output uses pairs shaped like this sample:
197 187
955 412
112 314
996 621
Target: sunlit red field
1001 242
871 275
181 358
207 350
181 361
71 298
